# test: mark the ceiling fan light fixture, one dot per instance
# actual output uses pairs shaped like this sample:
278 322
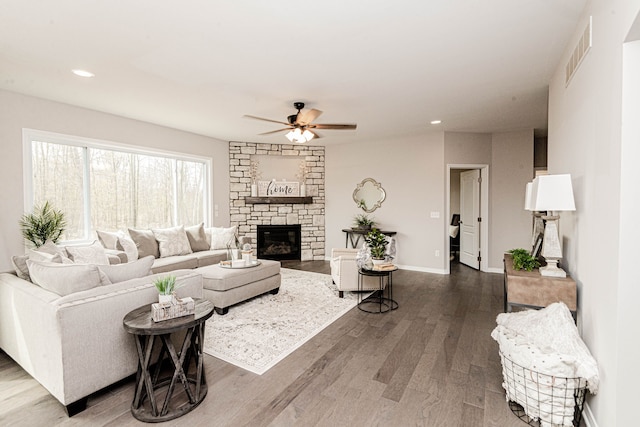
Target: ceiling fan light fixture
298 136
308 135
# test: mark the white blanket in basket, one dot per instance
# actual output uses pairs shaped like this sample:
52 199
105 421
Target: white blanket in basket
547 342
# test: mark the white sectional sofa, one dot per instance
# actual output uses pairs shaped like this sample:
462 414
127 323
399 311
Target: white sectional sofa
75 345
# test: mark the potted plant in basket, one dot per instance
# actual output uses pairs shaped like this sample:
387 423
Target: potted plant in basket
166 287
45 223
363 222
377 243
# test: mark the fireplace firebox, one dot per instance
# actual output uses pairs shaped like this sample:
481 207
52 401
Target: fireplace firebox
279 242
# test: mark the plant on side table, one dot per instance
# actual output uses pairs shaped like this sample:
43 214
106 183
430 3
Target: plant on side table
166 287
363 222
377 243
523 260
45 223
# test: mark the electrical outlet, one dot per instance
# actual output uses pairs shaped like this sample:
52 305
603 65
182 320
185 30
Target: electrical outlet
435 214
437 252
215 210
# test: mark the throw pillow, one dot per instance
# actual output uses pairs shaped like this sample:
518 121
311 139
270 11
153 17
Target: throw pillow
172 241
146 243
108 239
128 246
65 279
51 248
91 254
197 238
221 237
132 270
20 265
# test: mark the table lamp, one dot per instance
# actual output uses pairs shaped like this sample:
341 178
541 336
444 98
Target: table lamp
552 193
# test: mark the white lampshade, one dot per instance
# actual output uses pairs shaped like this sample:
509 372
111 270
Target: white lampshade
296 135
528 193
552 193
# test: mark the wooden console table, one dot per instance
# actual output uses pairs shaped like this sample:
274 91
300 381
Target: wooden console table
530 289
353 236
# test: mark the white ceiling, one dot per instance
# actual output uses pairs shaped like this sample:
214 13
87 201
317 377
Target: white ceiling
389 66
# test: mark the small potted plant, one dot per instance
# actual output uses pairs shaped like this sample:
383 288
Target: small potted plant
166 287
377 243
45 223
523 260
363 222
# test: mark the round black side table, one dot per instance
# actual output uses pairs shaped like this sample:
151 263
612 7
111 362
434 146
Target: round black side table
149 385
377 302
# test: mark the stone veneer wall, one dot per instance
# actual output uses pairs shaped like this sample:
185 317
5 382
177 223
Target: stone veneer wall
248 216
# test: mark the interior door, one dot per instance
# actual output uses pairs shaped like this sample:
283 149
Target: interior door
469 218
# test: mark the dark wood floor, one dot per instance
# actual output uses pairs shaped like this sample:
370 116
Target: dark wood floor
432 362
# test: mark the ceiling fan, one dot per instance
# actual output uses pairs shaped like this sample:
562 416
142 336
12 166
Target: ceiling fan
299 125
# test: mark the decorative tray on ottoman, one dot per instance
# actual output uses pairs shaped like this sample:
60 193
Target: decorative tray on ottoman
240 263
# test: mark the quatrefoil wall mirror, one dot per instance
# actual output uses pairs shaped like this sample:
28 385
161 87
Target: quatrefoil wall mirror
369 195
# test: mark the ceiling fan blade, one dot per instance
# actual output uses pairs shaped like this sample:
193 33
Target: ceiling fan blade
265 120
333 126
274 131
306 117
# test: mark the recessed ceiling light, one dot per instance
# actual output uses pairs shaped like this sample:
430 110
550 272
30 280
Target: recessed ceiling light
83 73
436 122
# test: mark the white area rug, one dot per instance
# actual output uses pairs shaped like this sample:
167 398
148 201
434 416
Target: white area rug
257 334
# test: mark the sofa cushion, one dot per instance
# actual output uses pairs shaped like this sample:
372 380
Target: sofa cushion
121 272
197 238
210 257
172 241
163 265
222 237
65 279
89 254
146 243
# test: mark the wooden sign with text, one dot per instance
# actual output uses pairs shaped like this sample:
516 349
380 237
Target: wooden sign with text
278 189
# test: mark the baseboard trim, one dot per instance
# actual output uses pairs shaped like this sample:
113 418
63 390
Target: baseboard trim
422 269
494 270
588 417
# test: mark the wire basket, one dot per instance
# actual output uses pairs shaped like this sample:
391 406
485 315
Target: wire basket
543 400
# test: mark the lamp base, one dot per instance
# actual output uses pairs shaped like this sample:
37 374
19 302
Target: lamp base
552 269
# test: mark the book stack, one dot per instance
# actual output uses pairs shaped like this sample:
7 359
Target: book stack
384 267
170 310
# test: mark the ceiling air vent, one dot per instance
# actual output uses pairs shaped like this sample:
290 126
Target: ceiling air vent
580 51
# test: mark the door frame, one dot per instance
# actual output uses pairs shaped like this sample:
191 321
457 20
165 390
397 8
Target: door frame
484 213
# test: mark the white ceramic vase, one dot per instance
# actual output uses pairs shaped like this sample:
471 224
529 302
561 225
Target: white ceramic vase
254 190
165 298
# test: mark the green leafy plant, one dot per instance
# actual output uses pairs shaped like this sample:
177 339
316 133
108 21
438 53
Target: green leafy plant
45 223
363 221
522 260
377 243
166 285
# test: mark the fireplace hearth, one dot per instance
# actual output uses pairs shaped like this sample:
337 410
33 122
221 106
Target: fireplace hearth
279 242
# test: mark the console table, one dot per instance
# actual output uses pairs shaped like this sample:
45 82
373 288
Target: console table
532 290
354 235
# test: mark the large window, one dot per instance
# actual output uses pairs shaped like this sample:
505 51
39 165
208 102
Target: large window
103 186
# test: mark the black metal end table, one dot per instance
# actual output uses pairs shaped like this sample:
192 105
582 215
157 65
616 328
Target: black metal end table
149 385
377 302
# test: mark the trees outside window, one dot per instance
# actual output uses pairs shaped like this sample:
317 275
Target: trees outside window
103 188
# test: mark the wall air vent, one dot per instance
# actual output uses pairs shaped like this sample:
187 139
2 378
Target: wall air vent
580 51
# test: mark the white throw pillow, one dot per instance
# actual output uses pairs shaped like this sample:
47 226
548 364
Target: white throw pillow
122 272
172 241
108 239
65 279
20 265
128 246
51 248
222 237
91 254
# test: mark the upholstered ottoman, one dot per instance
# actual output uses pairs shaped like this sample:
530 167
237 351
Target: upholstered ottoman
228 286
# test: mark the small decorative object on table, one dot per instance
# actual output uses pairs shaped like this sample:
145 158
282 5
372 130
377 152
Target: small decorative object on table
171 310
363 222
523 260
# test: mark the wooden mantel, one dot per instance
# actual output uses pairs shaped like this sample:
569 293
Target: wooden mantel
279 200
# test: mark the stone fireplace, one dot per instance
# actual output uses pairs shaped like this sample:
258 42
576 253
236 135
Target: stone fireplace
248 213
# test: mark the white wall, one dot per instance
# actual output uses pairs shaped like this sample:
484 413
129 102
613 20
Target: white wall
585 122
20 111
411 171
